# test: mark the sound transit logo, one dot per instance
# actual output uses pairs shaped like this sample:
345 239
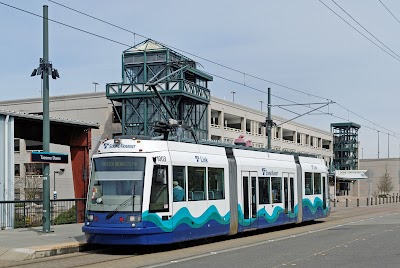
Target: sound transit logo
107 146
201 159
267 172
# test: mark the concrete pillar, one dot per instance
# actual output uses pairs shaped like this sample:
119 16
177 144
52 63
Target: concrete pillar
221 118
7 170
243 124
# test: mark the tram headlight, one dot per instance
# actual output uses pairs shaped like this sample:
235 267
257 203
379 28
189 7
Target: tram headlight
135 218
90 217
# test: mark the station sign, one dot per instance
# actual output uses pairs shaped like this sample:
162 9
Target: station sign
48 157
351 174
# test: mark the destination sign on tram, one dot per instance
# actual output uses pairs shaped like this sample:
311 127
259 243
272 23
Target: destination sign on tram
48 157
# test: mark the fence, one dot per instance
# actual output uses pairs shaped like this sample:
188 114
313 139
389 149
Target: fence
343 201
29 213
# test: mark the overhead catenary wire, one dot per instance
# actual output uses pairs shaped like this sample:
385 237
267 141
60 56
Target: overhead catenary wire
230 80
366 37
365 28
233 69
391 13
191 54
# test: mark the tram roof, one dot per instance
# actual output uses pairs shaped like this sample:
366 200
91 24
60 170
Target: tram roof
223 145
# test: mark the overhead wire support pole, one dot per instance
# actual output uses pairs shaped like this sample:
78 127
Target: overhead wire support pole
388 145
46 122
378 144
269 120
213 62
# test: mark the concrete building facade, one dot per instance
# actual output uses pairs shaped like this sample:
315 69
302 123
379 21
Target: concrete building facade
226 121
376 170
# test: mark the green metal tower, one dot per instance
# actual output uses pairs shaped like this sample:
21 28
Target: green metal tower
345 145
151 66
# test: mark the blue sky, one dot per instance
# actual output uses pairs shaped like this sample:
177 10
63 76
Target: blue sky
299 44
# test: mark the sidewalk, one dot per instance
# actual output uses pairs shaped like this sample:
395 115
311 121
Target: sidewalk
30 243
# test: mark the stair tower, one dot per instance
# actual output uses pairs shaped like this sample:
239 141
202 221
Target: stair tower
182 88
345 145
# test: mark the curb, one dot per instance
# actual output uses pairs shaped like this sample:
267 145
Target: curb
22 254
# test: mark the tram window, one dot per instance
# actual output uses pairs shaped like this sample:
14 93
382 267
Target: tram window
197 183
159 189
264 190
179 184
216 183
308 184
317 183
276 184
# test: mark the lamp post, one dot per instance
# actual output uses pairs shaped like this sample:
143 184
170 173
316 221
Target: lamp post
233 95
44 70
95 85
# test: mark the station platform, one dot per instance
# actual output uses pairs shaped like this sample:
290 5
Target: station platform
30 243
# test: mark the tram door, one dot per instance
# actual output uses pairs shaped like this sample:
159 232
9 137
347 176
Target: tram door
249 180
288 189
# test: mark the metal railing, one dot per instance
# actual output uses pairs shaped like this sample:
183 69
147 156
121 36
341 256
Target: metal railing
29 213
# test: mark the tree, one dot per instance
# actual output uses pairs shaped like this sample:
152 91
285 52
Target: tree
385 184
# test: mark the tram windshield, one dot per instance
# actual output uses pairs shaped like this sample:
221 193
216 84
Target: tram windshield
116 184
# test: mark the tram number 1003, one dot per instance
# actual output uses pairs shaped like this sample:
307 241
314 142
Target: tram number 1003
161 158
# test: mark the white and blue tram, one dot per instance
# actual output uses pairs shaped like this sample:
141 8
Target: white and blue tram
148 192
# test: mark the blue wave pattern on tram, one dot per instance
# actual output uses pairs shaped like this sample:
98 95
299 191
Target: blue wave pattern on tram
183 216
314 210
261 214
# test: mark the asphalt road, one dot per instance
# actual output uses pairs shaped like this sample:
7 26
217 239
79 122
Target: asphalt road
351 237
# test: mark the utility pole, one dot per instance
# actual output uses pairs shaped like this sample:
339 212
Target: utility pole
233 95
269 120
378 144
388 145
261 104
46 122
44 70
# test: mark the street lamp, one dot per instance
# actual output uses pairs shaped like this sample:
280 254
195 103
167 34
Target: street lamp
233 95
95 85
45 70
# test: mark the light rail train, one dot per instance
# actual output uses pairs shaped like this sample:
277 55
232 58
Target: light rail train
147 192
